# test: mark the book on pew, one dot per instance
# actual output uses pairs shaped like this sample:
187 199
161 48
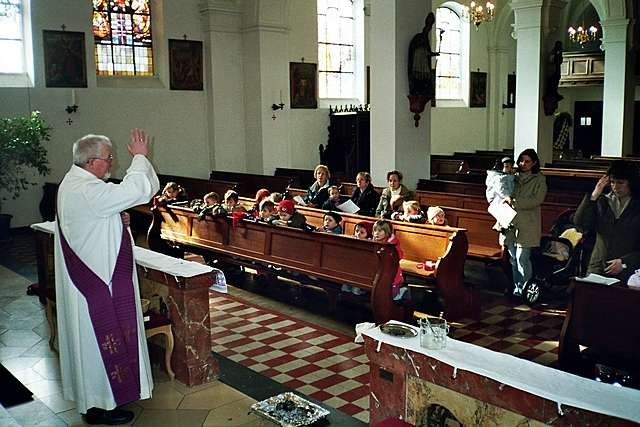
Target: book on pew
597 279
299 200
348 207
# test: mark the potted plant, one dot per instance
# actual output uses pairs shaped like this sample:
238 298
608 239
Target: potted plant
21 149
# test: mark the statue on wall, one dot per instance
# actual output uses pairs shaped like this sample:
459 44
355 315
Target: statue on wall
421 75
419 67
551 97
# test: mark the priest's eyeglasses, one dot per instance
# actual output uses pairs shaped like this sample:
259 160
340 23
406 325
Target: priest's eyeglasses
108 159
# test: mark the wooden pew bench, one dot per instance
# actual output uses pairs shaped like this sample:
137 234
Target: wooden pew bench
444 246
332 260
249 183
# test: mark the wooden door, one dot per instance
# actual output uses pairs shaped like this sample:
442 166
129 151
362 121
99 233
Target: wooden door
587 127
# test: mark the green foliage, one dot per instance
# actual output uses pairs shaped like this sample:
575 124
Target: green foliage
21 149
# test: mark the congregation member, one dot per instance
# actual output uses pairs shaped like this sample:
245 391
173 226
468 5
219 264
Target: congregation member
413 213
395 188
615 217
261 194
524 233
436 216
231 202
365 195
363 231
103 350
331 223
171 193
288 216
267 211
333 201
318 192
383 233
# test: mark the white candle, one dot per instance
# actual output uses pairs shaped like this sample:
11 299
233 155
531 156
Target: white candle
73 97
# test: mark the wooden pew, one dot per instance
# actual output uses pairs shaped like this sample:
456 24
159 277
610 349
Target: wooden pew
334 260
602 319
250 183
302 178
448 166
445 246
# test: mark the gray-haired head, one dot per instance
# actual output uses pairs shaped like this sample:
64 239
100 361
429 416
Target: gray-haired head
88 147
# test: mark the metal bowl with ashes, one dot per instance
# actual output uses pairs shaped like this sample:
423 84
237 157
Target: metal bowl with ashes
397 330
289 410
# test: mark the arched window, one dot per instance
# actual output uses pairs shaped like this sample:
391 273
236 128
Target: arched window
450 68
122 35
336 49
16 65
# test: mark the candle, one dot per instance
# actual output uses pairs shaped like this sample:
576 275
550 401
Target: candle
73 97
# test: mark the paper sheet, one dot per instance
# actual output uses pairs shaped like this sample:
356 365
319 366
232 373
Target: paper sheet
299 200
503 213
348 207
598 279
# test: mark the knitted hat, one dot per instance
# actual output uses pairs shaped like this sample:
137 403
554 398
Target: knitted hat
507 160
335 215
367 226
433 211
286 206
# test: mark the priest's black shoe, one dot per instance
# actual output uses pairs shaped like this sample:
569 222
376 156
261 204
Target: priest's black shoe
113 417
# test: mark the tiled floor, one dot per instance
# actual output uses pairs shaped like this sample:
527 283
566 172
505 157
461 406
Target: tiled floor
303 349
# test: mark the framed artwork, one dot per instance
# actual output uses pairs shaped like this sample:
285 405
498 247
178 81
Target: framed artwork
65 61
303 82
185 65
478 90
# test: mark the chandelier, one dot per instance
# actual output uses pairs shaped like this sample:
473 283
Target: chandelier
478 13
583 35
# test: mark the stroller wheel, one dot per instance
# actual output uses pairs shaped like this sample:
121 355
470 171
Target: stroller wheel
531 291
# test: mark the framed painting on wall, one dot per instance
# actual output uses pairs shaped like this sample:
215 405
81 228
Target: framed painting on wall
185 65
478 90
64 59
303 82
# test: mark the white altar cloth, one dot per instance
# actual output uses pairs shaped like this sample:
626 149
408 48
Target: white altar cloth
552 384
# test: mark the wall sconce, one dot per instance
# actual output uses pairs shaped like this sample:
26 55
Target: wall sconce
276 107
73 108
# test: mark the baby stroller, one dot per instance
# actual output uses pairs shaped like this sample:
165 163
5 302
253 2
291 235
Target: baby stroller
561 255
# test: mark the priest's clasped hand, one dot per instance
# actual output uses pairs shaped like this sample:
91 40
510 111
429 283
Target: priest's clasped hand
139 142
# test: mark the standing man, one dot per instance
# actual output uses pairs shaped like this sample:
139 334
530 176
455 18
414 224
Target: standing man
103 352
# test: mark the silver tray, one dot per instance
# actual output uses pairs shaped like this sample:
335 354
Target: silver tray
289 410
399 331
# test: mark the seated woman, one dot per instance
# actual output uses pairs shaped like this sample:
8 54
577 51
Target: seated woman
365 195
318 192
615 217
395 188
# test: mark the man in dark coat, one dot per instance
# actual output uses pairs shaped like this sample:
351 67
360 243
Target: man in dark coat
615 216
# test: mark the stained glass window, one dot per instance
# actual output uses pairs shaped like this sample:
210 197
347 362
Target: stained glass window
122 35
336 50
449 44
11 37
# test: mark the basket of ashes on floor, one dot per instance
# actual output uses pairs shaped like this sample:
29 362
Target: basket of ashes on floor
289 410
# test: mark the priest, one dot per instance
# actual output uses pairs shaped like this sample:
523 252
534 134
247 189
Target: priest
103 354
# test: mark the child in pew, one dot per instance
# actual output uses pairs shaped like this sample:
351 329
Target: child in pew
288 216
210 205
436 216
231 202
413 213
363 231
171 193
267 211
333 201
332 222
383 233
261 194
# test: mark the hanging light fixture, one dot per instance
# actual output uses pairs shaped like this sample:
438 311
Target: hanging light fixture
478 13
582 34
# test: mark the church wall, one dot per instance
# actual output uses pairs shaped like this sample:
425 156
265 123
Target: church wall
174 118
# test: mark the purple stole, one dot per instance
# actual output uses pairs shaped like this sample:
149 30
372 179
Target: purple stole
113 317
